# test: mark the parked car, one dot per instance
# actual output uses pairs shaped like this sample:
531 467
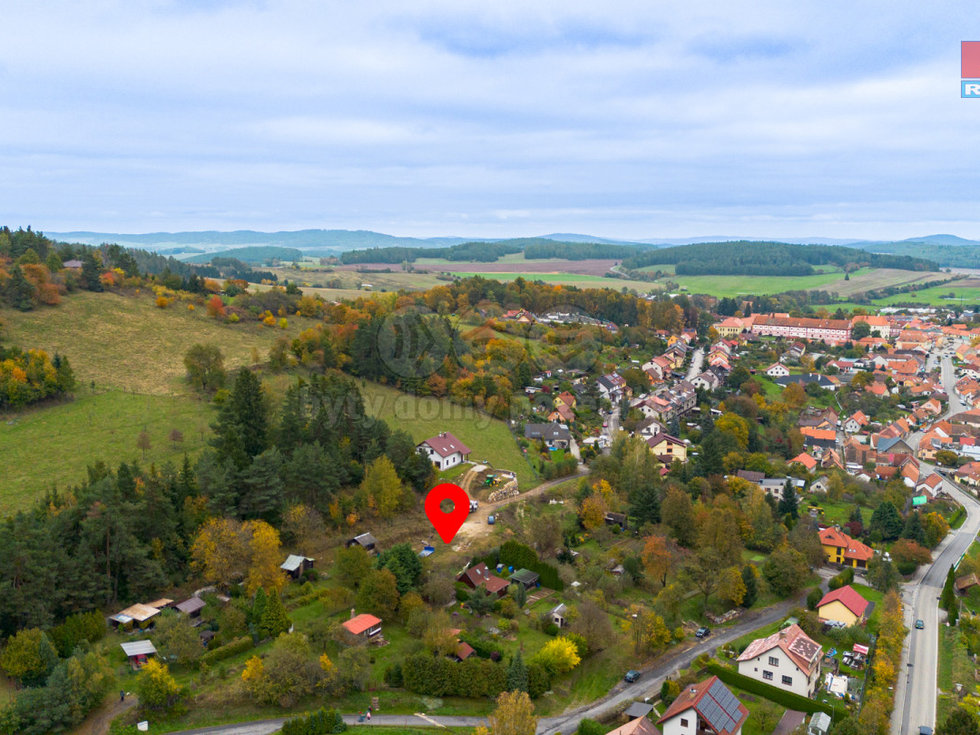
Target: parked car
491 520
474 505
702 632
632 675
919 625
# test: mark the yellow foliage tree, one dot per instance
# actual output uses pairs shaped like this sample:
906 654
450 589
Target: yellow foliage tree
219 552
559 655
593 512
265 555
514 715
731 587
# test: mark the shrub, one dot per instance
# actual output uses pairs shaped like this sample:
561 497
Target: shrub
232 648
844 578
773 694
813 598
321 722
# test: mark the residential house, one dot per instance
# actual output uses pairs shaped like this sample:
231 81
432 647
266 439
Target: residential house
365 540
832 331
667 448
969 474
820 485
806 379
777 370
708 380
705 708
840 548
843 605
788 659
555 436
807 460
855 422
562 414
363 625
565 399
930 486
636 726
613 387
479 576
445 450
821 438
295 565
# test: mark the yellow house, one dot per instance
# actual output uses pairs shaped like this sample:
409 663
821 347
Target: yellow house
842 605
667 447
839 548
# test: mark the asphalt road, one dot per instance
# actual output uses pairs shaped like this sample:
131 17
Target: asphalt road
916 689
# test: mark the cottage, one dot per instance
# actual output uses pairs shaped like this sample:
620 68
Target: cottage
708 707
295 565
479 576
135 616
365 540
463 651
616 519
363 625
788 659
444 451
138 652
844 605
191 607
667 448
965 583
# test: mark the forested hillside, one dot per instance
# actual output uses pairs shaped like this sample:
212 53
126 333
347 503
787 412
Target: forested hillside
768 259
488 252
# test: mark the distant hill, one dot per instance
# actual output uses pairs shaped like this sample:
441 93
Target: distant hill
256 254
943 240
215 240
534 248
768 259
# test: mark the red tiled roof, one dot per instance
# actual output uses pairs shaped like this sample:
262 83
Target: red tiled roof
464 650
361 623
801 649
853 549
848 597
804 459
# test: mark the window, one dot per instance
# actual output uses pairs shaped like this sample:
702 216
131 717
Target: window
773 661
788 681
683 722
767 675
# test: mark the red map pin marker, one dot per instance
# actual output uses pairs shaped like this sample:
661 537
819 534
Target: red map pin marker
447 524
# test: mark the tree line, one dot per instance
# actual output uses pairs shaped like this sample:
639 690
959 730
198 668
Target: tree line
489 252
768 259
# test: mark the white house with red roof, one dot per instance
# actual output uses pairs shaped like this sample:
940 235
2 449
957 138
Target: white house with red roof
444 451
788 659
705 708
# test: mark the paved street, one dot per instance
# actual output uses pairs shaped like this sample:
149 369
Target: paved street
915 692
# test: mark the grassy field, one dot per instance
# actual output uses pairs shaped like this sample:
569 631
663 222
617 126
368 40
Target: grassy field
351 280
52 445
126 342
963 295
423 418
581 280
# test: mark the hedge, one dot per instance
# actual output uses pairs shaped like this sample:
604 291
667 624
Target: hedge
321 722
231 648
773 694
440 676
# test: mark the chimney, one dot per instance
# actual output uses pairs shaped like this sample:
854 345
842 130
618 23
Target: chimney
352 613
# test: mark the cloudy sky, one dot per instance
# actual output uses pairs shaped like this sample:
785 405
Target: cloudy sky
623 119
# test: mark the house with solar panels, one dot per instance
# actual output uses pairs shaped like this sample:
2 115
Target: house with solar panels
788 659
707 707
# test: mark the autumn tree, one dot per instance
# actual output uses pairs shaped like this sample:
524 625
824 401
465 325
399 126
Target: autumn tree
156 687
559 656
351 566
174 637
264 558
382 487
785 571
514 715
647 629
658 558
593 512
731 586
220 551
29 657
205 367
593 624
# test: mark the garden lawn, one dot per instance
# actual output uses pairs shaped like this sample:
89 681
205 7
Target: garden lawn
955 667
872 595
425 417
52 445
